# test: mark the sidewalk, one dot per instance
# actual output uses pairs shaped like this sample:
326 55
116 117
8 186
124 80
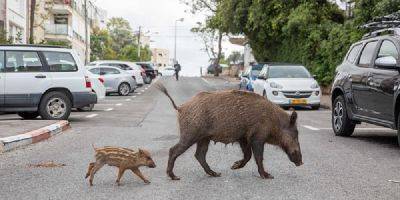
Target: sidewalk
17 133
326 102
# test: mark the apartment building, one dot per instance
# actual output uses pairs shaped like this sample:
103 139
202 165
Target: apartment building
160 57
14 20
63 22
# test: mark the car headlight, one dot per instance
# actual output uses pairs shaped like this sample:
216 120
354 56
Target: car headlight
314 85
275 85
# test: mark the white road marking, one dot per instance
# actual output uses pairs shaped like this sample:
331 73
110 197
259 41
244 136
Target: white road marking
91 116
146 88
109 109
139 93
311 128
118 104
142 90
206 81
133 97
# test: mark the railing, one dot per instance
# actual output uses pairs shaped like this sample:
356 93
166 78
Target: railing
65 2
58 29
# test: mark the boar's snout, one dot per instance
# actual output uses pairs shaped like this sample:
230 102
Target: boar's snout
296 158
152 165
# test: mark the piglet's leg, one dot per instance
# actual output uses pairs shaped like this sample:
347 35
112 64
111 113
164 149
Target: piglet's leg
95 169
140 175
91 165
121 171
258 151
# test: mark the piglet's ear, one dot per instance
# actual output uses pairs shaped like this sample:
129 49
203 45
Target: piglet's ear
141 151
293 117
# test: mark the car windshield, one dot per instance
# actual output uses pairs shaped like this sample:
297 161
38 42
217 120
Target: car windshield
288 72
256 69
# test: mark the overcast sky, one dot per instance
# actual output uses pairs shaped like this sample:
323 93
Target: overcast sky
158 17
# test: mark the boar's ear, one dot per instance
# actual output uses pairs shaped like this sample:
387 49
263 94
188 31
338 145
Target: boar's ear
293 117
141 151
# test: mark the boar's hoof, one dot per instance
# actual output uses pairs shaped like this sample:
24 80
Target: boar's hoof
265 175
214 174
147 182
175 178
237 165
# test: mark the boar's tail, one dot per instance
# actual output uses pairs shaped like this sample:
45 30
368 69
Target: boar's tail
164 90
94 148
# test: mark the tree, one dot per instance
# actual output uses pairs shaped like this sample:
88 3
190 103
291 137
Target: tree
100 45
235 57
212 31
120 32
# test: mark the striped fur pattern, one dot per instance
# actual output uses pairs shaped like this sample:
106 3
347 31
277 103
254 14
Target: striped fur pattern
123 158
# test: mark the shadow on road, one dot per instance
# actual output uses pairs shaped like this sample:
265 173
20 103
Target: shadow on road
380 138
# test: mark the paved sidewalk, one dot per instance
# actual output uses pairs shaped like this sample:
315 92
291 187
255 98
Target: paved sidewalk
326 101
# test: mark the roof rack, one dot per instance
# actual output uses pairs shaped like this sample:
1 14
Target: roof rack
385 31
388 24
31 45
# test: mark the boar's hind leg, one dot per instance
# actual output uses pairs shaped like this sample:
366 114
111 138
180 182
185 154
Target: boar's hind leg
201 151
97 165
246 149
258 151
121 171
91 165
174 152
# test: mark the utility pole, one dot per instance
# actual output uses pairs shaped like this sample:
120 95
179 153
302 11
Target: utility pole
178 20
139 43
86 33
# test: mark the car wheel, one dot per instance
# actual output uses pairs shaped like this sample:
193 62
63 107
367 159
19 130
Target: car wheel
28 115
87 108
315 107
124 89
342 125
55 106
398 129
147 80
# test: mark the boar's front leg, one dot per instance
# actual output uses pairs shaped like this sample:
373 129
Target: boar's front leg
246 149
121 171
174 152
201 151
258 151
140 175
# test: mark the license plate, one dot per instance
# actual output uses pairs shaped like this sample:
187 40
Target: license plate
298 101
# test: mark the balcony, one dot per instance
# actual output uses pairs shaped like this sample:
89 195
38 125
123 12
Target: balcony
58 32
61 7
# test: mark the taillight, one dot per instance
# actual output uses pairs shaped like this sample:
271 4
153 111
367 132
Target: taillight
101 80
88 83
134 78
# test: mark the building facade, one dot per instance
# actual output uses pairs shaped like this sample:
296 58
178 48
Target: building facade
14 20
63 22
160 57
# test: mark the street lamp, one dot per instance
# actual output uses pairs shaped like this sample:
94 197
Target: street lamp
176 21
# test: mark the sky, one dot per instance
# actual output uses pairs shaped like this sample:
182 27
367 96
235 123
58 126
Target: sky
158 18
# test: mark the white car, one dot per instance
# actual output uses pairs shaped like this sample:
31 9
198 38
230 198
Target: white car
130 67
42 81
288 85
97 87
167 71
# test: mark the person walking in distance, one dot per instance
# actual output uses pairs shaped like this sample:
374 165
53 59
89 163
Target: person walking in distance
177 67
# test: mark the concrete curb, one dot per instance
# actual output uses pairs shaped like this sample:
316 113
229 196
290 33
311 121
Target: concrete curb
12 142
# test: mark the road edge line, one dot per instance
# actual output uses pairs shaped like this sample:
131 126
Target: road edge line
35 136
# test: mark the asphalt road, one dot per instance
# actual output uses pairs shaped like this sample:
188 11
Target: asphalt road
358 167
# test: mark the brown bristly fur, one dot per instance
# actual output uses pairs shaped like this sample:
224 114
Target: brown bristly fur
233 116
123 158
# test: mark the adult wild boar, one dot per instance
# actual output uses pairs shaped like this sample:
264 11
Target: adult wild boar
233 116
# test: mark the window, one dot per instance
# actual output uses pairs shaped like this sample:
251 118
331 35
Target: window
388 49
353 53
95 71
288 72
23 61
1 61
60 62
108 71
367 54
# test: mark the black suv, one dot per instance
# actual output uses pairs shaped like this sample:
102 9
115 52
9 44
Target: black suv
366 85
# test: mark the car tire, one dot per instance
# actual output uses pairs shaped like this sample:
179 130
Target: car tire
124 89
341 123
87 108
265 95
55 106
147 80
398 129
28 115
315 107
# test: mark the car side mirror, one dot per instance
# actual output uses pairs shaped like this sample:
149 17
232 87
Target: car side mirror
245 76
387 62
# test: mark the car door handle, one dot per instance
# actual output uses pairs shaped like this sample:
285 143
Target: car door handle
40 76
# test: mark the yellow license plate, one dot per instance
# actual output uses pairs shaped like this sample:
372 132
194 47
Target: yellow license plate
298 101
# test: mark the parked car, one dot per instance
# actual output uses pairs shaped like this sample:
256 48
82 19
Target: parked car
211 69
97 87
288 85
167 71
44 81
249 76
116 80
151 73
130 67
366 85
